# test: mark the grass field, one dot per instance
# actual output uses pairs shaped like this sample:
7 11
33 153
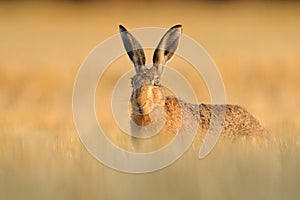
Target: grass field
255 45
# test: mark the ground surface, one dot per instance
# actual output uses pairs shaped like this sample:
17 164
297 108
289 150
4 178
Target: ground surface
256 47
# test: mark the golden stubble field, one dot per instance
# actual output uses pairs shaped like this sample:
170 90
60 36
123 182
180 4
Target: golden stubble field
256 47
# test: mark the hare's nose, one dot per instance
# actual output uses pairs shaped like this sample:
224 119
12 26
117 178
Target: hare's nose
140 110
141 106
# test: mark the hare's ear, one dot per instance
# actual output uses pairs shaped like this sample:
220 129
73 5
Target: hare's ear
166 47
134 49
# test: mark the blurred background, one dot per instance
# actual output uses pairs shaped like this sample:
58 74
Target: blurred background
255 45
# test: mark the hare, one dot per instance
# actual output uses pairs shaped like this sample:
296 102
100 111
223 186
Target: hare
150 106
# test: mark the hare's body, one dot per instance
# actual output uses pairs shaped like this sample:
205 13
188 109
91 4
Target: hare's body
237 122
151 107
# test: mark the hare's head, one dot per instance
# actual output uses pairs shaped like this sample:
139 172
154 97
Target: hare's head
147 91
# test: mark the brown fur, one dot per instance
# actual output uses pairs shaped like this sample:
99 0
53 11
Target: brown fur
238 121
149 102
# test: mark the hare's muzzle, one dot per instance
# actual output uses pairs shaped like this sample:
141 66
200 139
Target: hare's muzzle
142 108
142 100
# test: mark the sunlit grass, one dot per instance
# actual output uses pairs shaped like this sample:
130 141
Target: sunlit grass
255 46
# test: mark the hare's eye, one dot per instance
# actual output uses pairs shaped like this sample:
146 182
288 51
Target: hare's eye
156 81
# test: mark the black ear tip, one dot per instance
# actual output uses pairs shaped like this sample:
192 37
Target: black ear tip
122 28
178 26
